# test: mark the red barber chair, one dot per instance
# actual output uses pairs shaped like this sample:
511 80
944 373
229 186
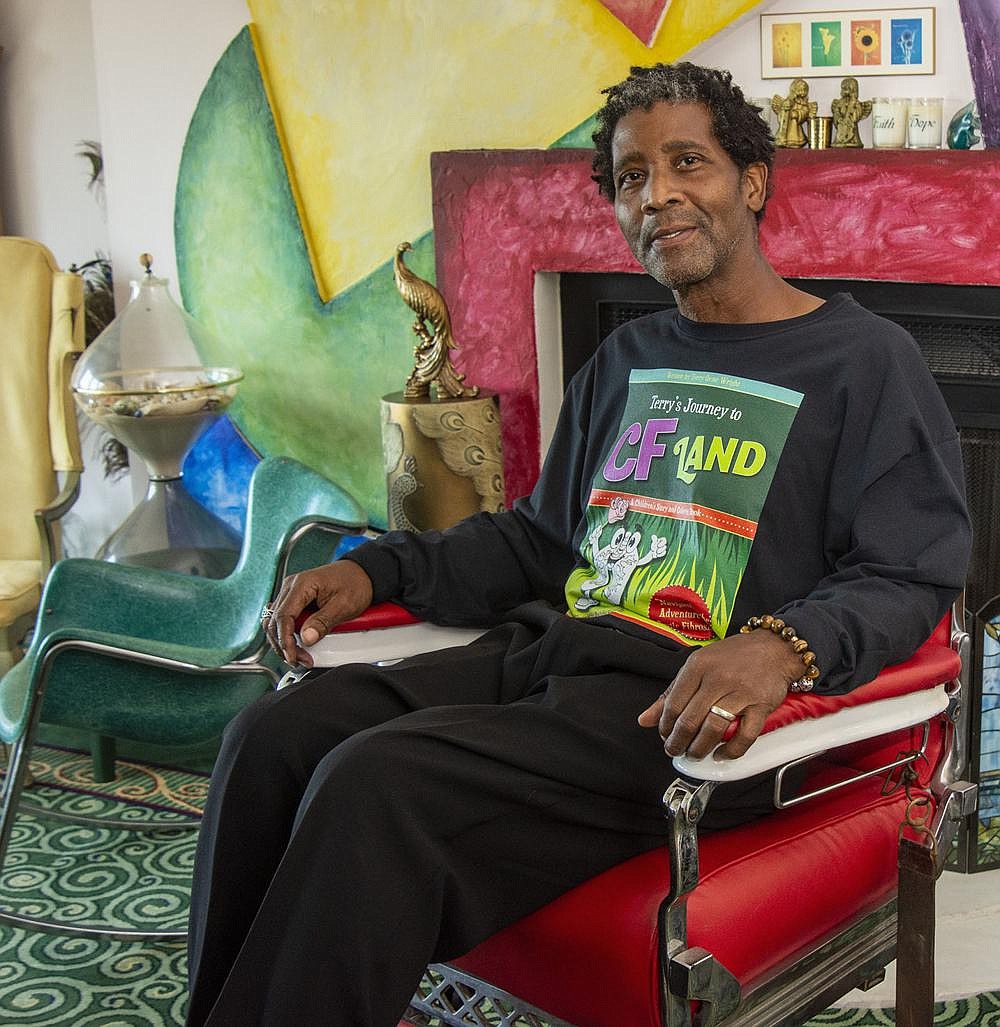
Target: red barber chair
764 924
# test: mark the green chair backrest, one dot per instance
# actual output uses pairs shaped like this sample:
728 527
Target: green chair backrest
206 621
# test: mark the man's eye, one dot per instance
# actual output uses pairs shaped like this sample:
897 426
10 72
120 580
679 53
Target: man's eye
629 178
689 160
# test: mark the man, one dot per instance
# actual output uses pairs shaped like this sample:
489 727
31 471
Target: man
758 452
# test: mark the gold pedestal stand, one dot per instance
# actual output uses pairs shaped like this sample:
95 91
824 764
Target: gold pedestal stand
442 459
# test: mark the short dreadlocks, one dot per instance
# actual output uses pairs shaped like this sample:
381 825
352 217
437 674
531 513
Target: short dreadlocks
737 124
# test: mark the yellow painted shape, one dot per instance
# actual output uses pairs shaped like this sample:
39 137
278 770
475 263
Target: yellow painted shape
363 93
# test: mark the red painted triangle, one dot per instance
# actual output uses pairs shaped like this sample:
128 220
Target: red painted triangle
641 17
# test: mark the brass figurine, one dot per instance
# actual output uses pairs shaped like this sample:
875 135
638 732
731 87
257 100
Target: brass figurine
433 360
793 112
848 110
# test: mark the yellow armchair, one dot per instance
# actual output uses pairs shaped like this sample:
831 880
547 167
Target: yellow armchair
41 336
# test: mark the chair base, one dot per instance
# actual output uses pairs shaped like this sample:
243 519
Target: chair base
458 999
792 995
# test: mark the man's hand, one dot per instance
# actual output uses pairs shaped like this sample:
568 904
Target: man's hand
746 675
339 590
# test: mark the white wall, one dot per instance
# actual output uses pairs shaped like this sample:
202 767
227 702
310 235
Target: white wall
152 62
48 104
129 76
737 48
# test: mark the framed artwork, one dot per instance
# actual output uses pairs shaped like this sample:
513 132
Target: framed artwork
883 41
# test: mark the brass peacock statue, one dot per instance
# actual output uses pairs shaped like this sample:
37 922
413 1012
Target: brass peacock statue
432 352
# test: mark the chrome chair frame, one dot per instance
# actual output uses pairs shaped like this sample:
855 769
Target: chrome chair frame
856 957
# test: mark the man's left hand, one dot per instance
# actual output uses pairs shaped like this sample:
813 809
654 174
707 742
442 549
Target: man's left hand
745 675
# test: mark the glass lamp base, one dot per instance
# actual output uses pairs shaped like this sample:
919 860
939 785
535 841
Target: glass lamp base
171 531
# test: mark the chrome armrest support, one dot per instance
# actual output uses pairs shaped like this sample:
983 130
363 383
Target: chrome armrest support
959 801
956 765
688 974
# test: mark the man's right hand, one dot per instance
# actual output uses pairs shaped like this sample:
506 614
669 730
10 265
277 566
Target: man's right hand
339 591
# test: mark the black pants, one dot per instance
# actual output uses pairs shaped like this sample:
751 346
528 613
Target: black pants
368 821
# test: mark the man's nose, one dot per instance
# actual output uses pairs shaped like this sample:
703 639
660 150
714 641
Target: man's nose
661 190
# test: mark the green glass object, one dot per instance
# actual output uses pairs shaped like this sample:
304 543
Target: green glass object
964 128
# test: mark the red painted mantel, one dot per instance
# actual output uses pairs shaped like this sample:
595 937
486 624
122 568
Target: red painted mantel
500 216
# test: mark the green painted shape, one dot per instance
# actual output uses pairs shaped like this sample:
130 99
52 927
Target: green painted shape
579 137
314 372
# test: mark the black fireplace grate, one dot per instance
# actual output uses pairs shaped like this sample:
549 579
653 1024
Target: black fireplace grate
957 349
981 456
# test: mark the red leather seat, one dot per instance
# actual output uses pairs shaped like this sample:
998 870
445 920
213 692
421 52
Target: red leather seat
767 890
771 897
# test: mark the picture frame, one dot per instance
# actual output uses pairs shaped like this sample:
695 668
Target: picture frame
818 44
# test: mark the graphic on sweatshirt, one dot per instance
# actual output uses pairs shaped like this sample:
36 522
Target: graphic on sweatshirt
673 512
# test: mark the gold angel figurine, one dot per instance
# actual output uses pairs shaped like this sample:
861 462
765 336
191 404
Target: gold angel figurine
848 110
793 111
432 352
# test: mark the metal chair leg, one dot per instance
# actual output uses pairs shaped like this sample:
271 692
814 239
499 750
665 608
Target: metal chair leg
102 756
10 795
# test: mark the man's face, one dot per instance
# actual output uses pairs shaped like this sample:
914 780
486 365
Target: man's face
682 204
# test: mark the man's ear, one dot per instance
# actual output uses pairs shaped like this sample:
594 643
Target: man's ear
755 186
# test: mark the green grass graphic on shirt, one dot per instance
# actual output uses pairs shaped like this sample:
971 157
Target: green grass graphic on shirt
700 559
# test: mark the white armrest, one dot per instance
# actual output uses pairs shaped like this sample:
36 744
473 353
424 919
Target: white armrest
381 645
808 737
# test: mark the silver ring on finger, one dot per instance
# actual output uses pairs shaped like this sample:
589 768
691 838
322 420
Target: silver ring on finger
267 613
724 714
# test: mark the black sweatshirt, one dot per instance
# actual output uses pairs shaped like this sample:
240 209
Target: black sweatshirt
807 468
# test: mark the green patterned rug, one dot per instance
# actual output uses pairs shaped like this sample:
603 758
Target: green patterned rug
978 1011
120 878
108 876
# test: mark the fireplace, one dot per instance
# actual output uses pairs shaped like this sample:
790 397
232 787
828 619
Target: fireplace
956 327
909 233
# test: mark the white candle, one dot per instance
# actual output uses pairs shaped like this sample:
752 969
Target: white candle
889 116
923 127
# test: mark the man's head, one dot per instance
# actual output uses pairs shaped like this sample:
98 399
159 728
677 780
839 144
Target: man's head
687 207
736 124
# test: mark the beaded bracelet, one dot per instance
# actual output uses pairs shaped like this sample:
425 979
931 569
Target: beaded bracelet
800 645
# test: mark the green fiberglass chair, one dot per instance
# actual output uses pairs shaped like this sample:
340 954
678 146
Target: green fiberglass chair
131 652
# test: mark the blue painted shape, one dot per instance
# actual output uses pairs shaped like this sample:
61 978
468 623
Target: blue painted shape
217 472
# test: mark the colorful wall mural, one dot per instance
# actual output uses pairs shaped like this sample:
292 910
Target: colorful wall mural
308 160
